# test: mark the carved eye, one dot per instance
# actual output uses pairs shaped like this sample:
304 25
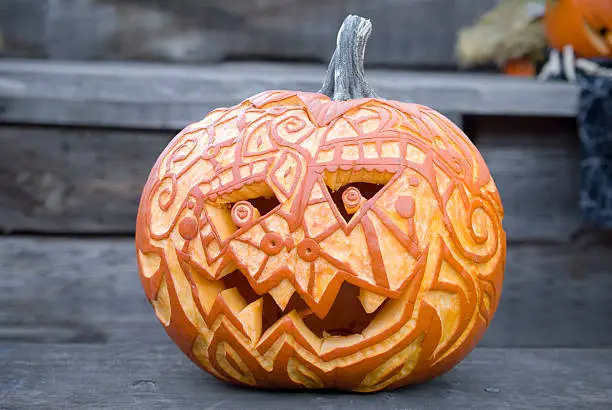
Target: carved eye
244 213
352 200
603 31
351 189
241 207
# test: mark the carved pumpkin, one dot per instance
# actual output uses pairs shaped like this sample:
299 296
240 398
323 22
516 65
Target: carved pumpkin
301 241
586 25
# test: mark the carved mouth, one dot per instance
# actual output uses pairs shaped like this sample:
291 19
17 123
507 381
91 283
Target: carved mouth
353 313
261 300
600 38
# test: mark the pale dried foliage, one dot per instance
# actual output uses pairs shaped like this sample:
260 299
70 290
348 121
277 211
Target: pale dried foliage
506 32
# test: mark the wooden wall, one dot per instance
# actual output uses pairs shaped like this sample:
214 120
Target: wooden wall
415 33
77 141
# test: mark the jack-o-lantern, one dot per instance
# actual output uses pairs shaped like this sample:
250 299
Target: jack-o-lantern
586 25
323 240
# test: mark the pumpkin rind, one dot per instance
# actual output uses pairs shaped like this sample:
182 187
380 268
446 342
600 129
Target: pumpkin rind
586 25
430 243
298 241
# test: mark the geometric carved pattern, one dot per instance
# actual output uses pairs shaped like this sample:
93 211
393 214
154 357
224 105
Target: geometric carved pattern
395 287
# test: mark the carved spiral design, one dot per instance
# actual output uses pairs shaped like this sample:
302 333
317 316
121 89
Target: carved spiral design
168 191
292 124
479 246
291 129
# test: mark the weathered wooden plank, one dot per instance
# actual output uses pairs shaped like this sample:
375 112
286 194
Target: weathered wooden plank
82 180
143 375
155 96
72 290
74 180
410 32
87 290
536 165
555 296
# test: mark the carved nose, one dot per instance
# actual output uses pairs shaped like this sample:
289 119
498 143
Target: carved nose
308 250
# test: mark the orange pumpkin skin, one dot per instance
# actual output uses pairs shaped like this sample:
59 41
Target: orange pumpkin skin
522 67
586 25
425 255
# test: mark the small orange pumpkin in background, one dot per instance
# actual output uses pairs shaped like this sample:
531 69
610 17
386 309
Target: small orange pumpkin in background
586 25
323 240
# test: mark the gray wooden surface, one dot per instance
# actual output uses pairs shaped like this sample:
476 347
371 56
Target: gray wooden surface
158 376
62 179
406 33
535 163
79 138
88 180
162 96
87 290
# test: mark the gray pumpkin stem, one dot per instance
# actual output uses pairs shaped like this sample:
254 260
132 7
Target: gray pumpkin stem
344 79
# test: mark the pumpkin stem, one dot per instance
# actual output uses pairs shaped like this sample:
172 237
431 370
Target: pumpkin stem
344 79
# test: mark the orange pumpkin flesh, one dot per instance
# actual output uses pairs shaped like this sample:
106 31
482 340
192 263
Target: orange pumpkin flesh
586 25
522 67
294 241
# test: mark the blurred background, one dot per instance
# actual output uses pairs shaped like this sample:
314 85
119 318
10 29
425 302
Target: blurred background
91 91
417 33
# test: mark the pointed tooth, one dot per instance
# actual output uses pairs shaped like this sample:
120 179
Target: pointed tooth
390 313
326 335
281 293
370 300
233 299
250 317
